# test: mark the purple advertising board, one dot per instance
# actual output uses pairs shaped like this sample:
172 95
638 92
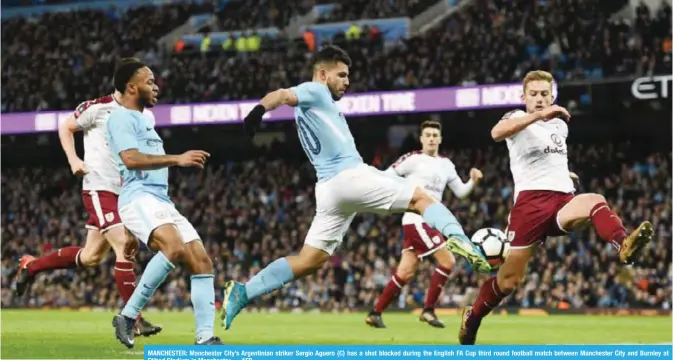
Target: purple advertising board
355 105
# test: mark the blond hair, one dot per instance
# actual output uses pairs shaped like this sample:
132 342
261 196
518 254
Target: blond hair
537 75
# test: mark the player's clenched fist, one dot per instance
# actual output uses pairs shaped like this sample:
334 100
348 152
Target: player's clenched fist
78 168
193 158
554 111
476 175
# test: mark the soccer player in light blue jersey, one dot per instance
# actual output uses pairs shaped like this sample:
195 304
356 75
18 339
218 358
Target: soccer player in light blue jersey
146 209
345 185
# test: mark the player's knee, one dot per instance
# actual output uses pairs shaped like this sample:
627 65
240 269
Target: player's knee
197 258
446 262
90 258
308 261
405 274
167 239
420 201
309 266
203 258
174 252
118 244
508 282
594 199
314 266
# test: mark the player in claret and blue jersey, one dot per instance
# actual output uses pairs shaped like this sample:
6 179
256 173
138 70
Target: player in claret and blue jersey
345 185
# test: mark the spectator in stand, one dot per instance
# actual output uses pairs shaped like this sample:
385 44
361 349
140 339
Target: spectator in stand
309 38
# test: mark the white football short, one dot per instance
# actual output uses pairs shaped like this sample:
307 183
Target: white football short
146 213
360 189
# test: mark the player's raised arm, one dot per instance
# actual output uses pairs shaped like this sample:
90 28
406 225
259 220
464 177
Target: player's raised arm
513 123
462 189
122 130
277 98
306 94
270 102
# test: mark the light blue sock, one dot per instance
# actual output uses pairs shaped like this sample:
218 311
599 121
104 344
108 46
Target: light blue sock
272 277
203 300
155 273
441 219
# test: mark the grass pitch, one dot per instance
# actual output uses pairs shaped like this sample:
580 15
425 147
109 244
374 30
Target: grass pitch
90 335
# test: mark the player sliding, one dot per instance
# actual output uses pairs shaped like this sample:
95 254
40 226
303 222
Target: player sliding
345 184
100 189
146 209
433 172
544 201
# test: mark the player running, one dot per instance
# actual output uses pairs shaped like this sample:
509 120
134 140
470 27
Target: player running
100 189
433 173
345 184
544 201
147 211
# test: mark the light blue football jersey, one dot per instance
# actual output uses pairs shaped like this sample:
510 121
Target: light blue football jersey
130 129
323 131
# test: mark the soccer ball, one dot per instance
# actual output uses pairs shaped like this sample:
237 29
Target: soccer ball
494 244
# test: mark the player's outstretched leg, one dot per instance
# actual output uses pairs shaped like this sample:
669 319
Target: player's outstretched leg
125 275
70 257
155 274
445 262
593 207
202 292
167 241
440 218
29 266
271 278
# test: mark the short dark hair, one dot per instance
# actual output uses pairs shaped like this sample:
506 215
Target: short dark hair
127 60
431 124
331 53
125 71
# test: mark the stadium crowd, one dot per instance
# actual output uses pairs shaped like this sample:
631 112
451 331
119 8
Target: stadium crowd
248 217
239 15
488 41
353 10
59 59
251 212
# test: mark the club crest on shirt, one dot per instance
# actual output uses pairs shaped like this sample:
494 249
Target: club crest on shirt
161 214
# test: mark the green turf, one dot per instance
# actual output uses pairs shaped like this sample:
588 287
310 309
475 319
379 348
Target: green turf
87 335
